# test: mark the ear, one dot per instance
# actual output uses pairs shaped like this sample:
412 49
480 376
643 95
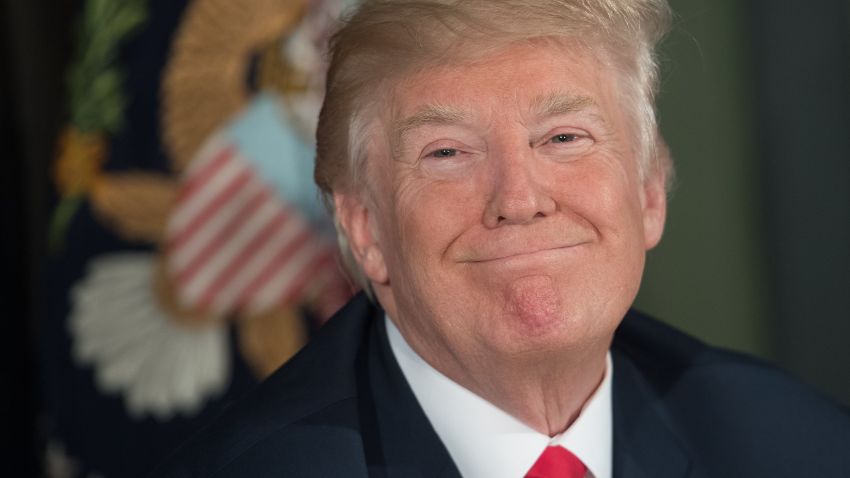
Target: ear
654 207
357 222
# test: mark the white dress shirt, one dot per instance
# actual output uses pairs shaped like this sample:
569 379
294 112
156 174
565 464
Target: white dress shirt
486 442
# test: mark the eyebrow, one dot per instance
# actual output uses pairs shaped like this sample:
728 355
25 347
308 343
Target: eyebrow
544 106
554 104
428 115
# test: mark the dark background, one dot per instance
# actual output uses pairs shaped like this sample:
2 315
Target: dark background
755 104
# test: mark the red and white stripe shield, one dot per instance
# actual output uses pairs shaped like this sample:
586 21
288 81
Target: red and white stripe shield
233 244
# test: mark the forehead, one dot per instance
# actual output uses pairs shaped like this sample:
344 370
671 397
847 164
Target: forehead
530 78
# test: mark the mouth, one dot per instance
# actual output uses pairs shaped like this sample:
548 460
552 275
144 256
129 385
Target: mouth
526 254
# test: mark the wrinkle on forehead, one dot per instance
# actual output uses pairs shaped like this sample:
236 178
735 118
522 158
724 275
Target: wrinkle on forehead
449 105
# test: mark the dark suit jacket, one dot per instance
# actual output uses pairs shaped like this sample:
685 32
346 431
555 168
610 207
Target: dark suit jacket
342 408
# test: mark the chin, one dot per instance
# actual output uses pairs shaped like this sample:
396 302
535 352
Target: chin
540 320
519 334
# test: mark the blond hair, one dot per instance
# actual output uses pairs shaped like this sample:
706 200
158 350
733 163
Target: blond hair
383 40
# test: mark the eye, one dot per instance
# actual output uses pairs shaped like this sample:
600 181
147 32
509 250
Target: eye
564 138
443 153
565 144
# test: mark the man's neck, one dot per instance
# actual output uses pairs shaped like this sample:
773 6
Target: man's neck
485 440
546 391
547 395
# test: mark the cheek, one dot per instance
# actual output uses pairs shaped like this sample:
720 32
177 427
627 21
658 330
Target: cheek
438 209
429 218
606 195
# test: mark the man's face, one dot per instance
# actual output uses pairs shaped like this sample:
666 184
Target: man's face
506 216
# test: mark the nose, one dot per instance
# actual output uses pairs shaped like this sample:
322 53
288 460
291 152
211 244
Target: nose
519 192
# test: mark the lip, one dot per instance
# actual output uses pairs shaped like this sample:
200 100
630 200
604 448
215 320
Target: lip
528 254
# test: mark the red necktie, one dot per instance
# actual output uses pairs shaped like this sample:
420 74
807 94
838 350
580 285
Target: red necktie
557 462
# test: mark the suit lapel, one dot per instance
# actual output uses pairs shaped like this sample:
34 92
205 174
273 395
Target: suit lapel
645 444
398 439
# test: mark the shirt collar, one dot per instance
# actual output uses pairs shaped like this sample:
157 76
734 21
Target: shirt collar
485 441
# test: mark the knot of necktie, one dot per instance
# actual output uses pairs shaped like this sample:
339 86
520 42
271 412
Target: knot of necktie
557 462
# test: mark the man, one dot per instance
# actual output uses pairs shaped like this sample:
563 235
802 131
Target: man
497 176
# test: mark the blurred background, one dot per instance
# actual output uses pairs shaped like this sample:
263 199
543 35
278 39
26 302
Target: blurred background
141 139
